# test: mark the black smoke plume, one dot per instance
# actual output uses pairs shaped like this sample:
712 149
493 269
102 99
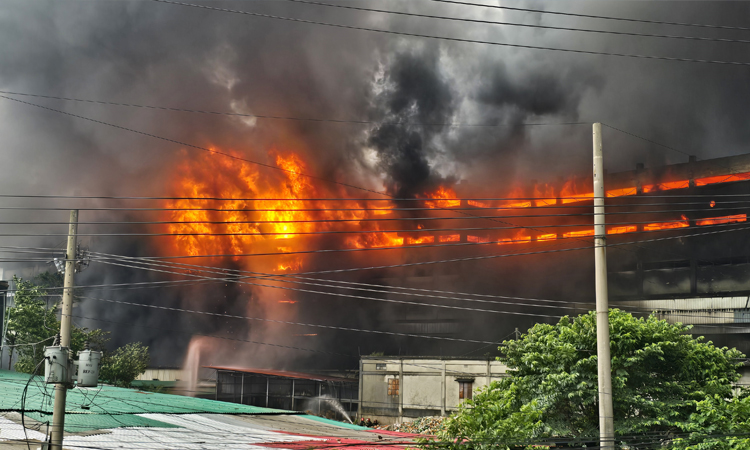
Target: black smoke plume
415 90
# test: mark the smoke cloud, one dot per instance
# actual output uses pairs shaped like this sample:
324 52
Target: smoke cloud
413 91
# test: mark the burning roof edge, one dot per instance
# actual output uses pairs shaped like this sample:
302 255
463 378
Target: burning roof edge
693 169
282 373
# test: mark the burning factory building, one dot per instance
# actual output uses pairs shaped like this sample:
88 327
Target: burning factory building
675 235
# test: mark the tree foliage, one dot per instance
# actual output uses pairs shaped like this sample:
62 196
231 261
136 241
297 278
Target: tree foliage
33 324
125 364
667 385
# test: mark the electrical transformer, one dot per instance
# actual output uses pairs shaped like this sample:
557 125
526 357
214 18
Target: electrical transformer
88 368
56 366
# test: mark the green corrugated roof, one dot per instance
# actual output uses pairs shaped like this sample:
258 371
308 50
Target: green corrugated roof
108 406
336 422
76 423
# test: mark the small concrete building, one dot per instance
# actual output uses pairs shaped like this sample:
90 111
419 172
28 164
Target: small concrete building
393 389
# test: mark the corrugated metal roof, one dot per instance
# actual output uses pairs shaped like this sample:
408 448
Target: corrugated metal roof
216 431
192 431
108 406
10 430
336 423
283 373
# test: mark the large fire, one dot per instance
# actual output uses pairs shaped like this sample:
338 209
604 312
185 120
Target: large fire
230 208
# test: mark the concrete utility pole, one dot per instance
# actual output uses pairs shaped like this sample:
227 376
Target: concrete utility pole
606 414
61 390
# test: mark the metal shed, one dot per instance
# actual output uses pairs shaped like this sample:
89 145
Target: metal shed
295 391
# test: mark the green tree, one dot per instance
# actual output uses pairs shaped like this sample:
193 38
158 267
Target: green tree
33 324
675 389
125 364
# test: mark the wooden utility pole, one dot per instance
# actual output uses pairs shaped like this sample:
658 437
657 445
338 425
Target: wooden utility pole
61 389
604 359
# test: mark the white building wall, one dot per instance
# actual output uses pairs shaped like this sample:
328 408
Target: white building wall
162 375
426 387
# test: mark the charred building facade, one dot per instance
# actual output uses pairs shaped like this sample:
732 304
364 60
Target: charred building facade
678 236
702 278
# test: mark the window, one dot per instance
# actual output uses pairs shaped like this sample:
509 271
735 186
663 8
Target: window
393 386
464 389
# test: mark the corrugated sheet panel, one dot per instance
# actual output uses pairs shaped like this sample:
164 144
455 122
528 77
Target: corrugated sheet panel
76 423
107 401
193 432
11 431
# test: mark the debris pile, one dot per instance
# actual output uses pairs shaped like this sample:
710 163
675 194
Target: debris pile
425 425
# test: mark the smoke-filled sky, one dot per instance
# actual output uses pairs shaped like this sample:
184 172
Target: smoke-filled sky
149 53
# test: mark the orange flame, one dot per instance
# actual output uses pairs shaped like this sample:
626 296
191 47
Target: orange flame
682 184
478 204
519 237
667 225
722 179
621 230
234 226
517 193
285 214
444 193
375 240
546 195
720 220
575 234
622 192
420 240
289 266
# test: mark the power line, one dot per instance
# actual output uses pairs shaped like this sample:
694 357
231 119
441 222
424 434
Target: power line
709 208
504 255
648 140
207 149
516 24
257 275
509 226
308 119
320 283
214 152
192 332
582 197
220 153
389 210
590 16
555 242
406 219
287 322
386 231
537 244
236 280
495 256
453 39
383 288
